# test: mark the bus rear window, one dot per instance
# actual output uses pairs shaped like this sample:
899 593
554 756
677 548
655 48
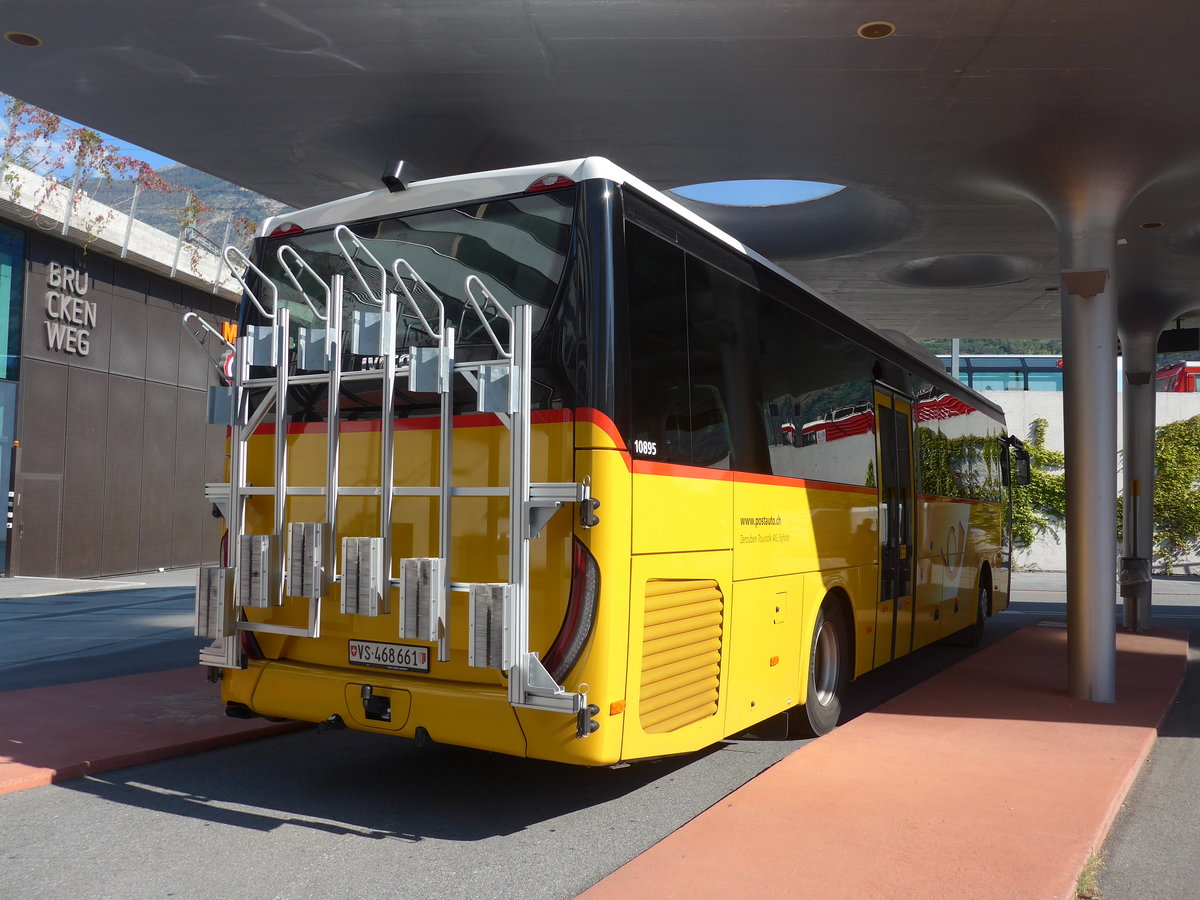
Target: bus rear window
516 246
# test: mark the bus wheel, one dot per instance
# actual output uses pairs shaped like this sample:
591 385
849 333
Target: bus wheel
828 675
972 635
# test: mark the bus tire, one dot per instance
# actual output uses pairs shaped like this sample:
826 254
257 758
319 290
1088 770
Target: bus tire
972 635
828 675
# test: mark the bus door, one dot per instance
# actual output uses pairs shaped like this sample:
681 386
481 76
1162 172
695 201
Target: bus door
894 615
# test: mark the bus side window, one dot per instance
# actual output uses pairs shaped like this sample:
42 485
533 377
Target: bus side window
658 345
823 382
694 350
723 358
711 443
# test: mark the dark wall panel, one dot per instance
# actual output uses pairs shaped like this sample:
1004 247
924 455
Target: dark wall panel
195 369
38 483
83 478
189 478
43 417
158 478
87 431
163 333
163 292
123 476
128 354
128 282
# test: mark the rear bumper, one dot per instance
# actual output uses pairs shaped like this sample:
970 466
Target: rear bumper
451 712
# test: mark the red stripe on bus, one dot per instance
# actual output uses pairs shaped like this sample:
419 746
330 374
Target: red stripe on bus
807 483
423 423
603 422
674 470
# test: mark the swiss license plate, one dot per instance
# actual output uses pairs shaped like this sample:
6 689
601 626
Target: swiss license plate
407 657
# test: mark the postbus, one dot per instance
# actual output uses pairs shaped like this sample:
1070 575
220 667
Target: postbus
508 470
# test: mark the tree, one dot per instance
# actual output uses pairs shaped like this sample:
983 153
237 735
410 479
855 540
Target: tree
1176 491
41 142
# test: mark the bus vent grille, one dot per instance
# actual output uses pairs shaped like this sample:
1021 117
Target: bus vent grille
681 654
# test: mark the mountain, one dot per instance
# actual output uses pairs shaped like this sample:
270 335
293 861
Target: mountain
164 210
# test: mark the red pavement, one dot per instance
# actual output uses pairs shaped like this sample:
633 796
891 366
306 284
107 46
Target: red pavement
987 780
53 734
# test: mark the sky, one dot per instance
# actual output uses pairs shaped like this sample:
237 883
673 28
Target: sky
757 192
126 148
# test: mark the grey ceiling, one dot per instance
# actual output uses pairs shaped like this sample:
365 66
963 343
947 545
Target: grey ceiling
961 135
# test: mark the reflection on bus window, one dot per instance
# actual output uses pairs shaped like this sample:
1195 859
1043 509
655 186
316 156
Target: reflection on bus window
818 410
958 449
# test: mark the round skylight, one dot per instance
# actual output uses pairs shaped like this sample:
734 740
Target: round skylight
757 192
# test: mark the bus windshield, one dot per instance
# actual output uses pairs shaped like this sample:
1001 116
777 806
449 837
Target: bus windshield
516 246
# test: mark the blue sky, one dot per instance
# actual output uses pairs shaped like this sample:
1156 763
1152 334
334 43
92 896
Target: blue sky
155 160
125 147
128 149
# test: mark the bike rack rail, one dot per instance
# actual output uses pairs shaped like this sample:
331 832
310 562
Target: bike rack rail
261 575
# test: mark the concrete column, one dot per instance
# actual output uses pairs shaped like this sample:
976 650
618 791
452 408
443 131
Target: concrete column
1137 541
1089 331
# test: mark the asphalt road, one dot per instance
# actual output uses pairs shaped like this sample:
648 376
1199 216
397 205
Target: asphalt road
349 814
67 638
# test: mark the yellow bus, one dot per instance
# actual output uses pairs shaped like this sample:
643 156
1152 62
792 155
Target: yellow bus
538 461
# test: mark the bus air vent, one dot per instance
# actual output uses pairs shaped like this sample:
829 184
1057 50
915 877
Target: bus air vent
681 654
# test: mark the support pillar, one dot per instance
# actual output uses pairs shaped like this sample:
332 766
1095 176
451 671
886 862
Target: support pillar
1137 539
1089 332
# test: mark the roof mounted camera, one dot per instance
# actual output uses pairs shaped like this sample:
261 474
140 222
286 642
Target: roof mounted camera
399 175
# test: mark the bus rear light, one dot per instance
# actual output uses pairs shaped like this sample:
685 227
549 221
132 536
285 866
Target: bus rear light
581 614
285 228
250 645
549 183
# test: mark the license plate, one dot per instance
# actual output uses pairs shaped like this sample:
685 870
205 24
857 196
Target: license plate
407 657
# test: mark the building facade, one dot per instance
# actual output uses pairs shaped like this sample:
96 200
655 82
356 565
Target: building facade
102 411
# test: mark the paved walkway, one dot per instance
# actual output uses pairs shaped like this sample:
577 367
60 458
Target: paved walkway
54 734
63 714
986 780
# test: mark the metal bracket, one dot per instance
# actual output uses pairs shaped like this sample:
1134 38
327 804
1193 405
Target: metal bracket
224 653
547 498
543 692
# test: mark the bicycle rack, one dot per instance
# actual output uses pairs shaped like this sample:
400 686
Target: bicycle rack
261 575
